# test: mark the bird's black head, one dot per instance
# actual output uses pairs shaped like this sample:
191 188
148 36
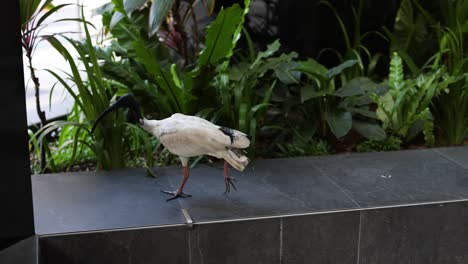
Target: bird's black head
126 101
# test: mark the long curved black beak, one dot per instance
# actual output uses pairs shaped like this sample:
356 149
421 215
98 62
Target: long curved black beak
126 101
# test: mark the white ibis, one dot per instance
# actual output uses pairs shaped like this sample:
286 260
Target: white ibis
190 136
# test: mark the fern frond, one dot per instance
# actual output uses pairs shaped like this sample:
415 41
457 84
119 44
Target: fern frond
396 76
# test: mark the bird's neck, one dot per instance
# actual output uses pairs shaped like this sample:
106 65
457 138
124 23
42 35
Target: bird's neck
151 126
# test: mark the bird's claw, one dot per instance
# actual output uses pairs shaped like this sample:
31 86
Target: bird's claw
228 181
175 195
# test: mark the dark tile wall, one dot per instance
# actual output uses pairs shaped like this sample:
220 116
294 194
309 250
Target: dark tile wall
236 242
415 235
327 238
422 234
152 245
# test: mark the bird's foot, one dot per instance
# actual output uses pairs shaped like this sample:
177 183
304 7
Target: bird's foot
176 194
229 181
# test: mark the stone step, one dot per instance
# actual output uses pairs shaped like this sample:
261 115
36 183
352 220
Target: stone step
391 207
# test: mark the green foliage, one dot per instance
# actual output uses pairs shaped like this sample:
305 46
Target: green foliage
388 144
33 14
34 152
64 152
165 88
354 43
30 10
141 63
222 35
452 107
411 37
404 108
110 142
170 22
302 145
339 110
158 12
433 34
245 89
300 105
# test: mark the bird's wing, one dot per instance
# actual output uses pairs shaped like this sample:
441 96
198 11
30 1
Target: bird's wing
189 141
194 119
164 130
192 139
237 139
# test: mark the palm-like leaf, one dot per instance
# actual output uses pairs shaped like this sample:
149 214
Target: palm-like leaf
158 12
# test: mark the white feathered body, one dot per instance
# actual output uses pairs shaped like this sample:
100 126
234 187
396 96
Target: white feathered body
190 136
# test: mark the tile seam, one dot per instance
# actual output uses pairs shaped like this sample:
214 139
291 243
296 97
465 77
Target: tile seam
281 242
449 158
358 261
336 185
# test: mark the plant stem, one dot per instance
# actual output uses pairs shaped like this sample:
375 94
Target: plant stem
40 113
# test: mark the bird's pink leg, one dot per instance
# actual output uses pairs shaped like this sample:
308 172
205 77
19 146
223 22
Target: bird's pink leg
179 192
184 180
228 180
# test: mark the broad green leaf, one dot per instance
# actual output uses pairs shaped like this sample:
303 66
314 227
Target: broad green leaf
415 129
116 17
132 5
357 101
271 49
362 111
385 110
369 130
312 65
340 122
158 12
105 8
237 32
357 86
310 91
286 74
162 77
403 53
237 72
406 28
219 36
340 68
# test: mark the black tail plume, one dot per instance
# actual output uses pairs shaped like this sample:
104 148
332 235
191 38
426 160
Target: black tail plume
126 101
